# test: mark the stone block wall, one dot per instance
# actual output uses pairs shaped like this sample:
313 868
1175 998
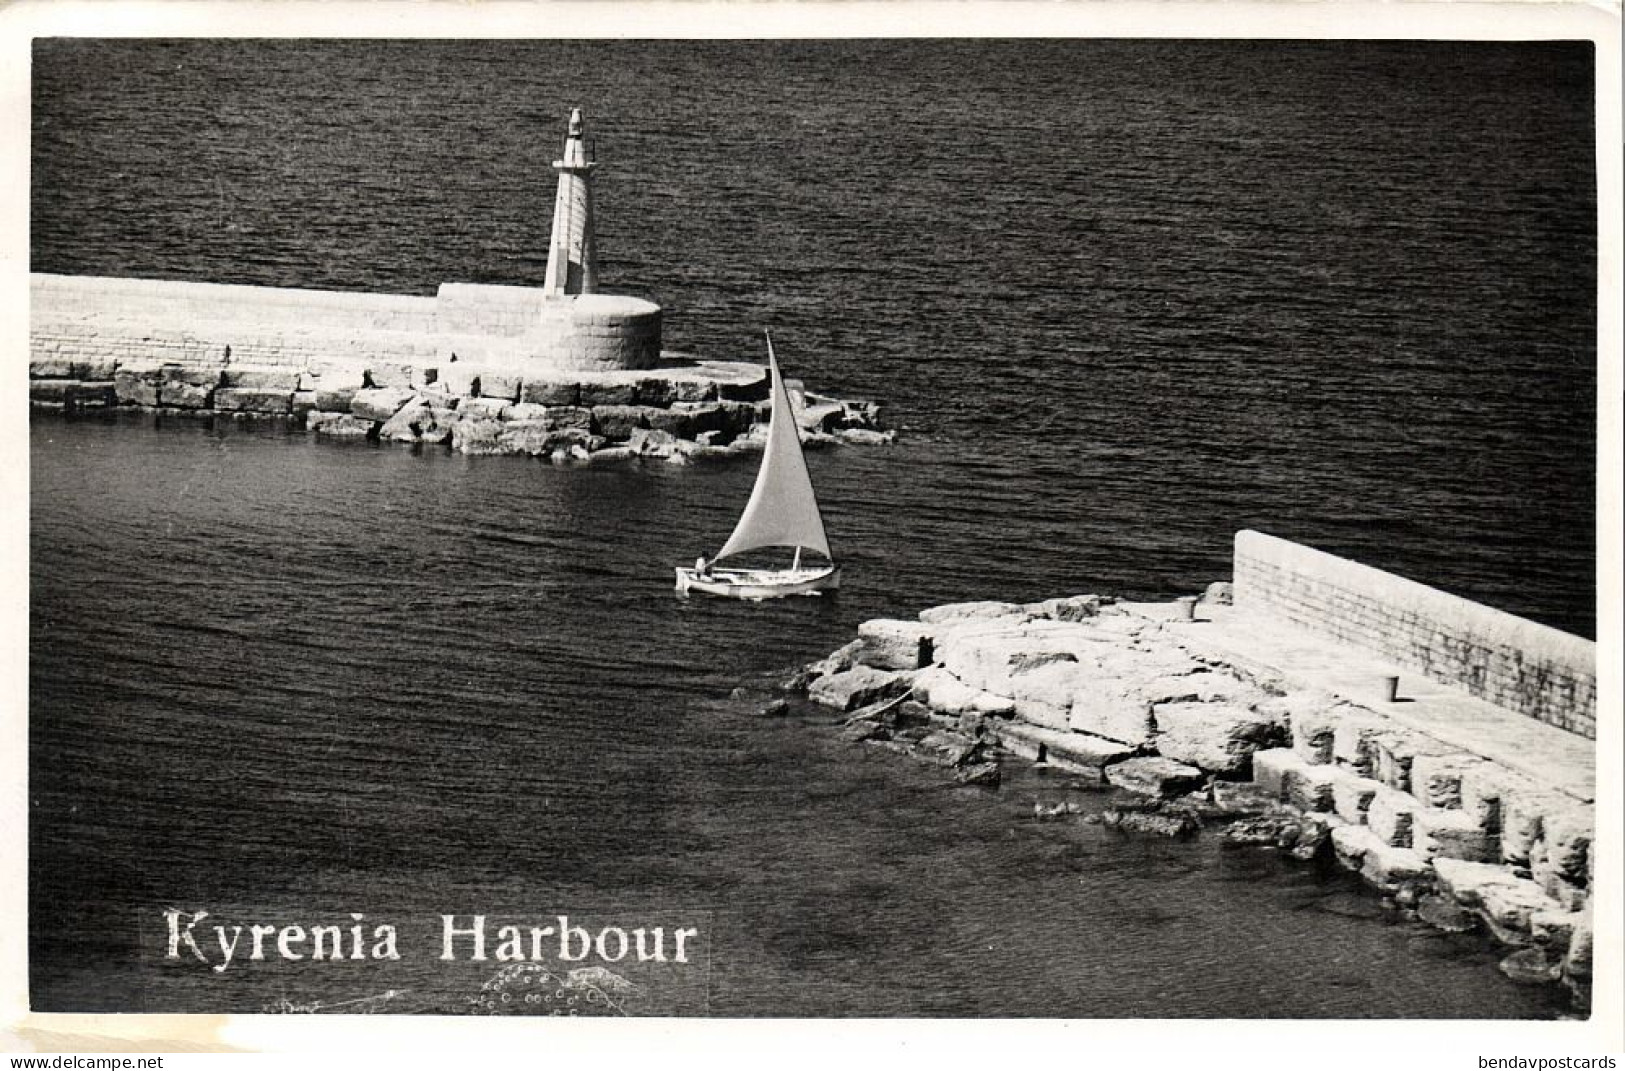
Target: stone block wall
85 318
1515 663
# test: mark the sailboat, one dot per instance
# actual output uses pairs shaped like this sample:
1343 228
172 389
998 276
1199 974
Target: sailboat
782 512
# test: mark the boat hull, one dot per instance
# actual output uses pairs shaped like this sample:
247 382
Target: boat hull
758 584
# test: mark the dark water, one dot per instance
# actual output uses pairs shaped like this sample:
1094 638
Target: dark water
1124 297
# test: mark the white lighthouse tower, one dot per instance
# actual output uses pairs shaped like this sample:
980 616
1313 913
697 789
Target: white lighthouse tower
572 262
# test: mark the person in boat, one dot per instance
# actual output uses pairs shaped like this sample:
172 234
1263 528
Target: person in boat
702 567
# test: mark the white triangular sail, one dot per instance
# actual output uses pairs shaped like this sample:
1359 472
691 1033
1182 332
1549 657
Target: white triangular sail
782 511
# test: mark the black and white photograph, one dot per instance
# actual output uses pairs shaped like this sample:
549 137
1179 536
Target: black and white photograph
737 525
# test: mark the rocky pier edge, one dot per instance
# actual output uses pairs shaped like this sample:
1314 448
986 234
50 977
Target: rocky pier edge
1122 697
687 409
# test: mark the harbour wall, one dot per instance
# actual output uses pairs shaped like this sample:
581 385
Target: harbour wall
98 317
1514 663
478 369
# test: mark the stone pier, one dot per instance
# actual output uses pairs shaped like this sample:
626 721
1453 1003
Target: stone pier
1318 706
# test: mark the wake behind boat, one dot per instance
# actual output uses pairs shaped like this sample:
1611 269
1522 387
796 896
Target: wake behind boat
782 512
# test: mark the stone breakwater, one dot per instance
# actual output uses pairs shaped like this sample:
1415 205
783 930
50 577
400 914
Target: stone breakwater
688 408
1131 698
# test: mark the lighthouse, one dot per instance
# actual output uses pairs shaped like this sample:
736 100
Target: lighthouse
572 262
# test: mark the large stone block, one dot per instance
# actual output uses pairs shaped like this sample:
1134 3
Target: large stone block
193 375
1155 776
253 400
533 437
550 392
95 394
1523 805
1567 830
1058 746
182 395
483 408
55 391
1436 779
136 385
594 394
889 644
458 380
1312 718
1383 866
944 692
858 687
379 404
335 399
1450 834
1116 715
96 369
391 374
262 377
1352 795
1310 788
617 422
1218 737
1481 788
1390 815
497 384
1354 741
1396 752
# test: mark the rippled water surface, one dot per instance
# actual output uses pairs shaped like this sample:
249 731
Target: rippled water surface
1123 298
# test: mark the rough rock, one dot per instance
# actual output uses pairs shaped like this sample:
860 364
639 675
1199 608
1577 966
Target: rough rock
482 408
1217 737
1179 824
1443 913
865 436
532 437
52 368
969 611
379 404
478 435
889 644
1529 966
857 687
339 425
837 661
1155 776
1201 687
673 422
403 426
985 774
1273 768
646 442
1241 799
1577 964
